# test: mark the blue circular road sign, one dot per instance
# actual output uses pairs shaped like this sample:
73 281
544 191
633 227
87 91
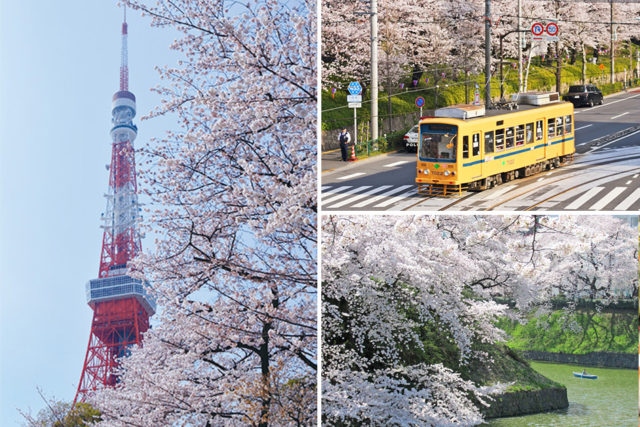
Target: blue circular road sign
419 101
354 88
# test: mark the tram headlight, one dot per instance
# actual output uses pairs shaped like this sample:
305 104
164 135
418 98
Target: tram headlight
426 171
446 173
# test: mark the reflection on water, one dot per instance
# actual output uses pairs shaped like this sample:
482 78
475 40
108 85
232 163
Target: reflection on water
611 400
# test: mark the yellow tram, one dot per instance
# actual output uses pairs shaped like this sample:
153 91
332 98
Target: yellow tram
459 154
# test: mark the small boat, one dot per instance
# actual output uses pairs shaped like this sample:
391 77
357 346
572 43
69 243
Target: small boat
585 376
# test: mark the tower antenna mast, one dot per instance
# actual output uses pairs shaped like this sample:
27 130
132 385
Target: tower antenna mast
120 303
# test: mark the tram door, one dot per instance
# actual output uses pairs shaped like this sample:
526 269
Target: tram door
476 155
471 157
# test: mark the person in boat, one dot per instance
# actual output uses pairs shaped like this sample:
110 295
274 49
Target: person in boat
584 372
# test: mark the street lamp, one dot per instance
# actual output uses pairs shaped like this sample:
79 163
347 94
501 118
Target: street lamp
500 37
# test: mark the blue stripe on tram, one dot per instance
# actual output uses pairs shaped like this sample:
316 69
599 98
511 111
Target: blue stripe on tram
517 152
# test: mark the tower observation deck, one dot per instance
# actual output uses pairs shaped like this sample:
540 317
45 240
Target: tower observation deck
121 305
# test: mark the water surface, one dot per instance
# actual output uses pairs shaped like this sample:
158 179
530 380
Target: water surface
611 400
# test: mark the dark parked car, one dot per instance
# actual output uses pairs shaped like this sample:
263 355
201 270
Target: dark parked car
584 95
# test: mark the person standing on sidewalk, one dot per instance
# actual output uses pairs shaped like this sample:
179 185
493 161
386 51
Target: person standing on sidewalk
344 139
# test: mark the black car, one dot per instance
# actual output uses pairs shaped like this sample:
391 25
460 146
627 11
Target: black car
584 95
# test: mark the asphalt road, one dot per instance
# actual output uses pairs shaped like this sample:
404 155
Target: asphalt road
605 175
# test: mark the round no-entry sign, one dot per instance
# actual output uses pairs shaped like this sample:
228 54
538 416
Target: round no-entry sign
552 28
419 101
537 29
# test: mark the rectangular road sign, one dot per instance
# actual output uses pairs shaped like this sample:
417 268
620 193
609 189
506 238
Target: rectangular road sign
354 98
355 105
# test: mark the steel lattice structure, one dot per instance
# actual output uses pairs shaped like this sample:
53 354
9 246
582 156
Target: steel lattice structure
120 303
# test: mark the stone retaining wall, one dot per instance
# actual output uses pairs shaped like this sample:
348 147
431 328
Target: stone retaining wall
596 358
527 402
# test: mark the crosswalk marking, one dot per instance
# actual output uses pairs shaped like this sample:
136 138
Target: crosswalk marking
607 199
325 187
376 198
336 190
397 198
584 198
626 203
359 196
353 175
345 194
382 197
499 192
396 163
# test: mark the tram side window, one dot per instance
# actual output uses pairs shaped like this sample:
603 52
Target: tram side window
551 128
475 144
559 127
488 142
500 140
465 147
567 124
529 133
520 135
510 136
539 131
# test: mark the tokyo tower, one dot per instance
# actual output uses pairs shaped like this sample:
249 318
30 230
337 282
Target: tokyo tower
120 303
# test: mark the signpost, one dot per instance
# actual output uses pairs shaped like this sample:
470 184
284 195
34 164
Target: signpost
476 96
420 104
355 102
536 30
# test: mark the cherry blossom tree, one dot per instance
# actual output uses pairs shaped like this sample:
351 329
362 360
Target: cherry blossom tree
234 209
414 36
384 278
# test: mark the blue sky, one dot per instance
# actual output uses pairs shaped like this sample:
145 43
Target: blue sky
59 67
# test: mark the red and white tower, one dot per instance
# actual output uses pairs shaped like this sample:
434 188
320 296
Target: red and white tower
120 303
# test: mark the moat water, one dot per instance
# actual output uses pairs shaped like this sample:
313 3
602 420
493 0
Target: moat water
610 400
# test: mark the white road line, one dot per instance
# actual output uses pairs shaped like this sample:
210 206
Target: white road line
628 182
634 176
626 203
343 195
396 163
604 105
619 115
584 127
358 197
376 198
353 175
607 199
539 179
397 198
584 198
324 187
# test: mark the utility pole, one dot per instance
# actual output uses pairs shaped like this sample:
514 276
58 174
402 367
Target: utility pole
519 47
374 70
487 53
612 45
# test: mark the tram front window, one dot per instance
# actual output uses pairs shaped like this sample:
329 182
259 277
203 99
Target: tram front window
437 142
